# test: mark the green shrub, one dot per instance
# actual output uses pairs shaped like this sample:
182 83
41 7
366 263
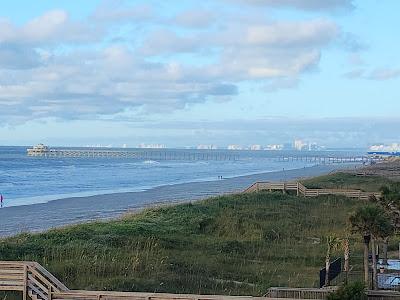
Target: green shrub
352 291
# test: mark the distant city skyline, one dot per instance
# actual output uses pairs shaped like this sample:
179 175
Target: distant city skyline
182 73
297 144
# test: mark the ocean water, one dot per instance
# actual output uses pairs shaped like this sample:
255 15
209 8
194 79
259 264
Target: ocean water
29 180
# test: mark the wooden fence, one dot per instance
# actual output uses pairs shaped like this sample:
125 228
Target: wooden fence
36 283
300 293
301 190
321 294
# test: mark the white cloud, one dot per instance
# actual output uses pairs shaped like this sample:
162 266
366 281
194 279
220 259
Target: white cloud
165 41
44 74
384 74
52 27
292 34
195 18
379 74
317 5
118 11
45 27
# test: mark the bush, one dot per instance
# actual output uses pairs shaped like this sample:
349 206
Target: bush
352 291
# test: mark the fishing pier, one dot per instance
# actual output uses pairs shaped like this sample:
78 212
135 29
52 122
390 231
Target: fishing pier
332 159
146 154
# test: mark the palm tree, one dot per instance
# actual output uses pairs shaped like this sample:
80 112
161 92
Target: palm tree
381 229
346 250
390 201
373 223
333 244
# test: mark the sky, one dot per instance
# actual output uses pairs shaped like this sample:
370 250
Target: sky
185 72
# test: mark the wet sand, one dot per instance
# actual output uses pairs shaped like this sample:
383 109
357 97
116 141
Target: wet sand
40 217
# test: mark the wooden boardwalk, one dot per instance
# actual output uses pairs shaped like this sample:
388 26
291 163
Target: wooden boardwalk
36 283
301 190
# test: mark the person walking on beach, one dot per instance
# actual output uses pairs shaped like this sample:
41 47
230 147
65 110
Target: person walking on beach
1 200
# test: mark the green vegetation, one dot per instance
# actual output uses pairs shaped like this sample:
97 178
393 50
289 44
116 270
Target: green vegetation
353 291
239 244
342 180
373 224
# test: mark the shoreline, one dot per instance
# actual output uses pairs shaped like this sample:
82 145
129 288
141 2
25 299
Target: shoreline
67 211
27 201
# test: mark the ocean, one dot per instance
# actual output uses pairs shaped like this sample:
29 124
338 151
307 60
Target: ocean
32 180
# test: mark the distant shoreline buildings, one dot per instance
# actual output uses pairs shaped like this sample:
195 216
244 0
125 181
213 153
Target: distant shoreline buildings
298 145
393 148
385 150
151 146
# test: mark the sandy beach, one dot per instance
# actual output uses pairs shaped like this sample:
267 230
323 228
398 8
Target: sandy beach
40 217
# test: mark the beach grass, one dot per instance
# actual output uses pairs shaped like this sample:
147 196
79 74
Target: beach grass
343 180
238 244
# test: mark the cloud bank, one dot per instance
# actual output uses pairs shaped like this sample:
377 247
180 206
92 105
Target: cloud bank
127 58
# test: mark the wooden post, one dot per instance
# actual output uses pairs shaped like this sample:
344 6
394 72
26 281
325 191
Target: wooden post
25 291
297 188
50 292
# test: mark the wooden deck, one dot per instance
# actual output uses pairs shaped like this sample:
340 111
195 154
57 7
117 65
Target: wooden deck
36 283
301 190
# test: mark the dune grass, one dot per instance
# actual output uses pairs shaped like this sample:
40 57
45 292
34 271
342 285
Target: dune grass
342 180
237 244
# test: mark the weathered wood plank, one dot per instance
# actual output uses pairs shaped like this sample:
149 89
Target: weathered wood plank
16 288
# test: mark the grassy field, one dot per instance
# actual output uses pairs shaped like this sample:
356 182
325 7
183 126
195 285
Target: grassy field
237 245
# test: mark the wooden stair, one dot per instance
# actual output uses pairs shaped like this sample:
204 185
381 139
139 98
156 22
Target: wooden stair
301 190
31 279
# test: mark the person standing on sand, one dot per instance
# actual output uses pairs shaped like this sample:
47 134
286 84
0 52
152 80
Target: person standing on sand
1 200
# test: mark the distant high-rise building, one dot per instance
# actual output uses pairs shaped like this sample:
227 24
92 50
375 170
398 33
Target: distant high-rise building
274 147
300 145
207 147
151 146
255 147
235 147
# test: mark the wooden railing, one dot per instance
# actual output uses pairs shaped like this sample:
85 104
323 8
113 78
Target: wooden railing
30 278
88 295
300 293
306 192
36 283
313 293
12 276
383 295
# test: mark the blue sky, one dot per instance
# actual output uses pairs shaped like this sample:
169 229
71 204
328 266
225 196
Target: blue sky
183 73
